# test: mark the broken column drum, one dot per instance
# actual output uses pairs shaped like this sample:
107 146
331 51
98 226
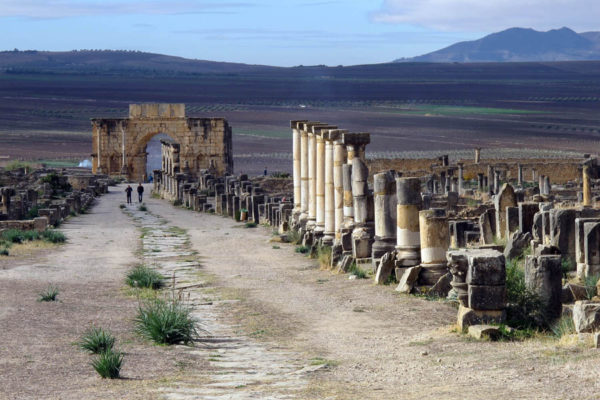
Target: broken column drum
408 239
384 188
434 236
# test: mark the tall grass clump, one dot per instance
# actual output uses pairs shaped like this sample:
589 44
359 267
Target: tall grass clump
293 236
108 364
302 249
590 282
97 340
144 277
49 294
563 326
166 322
324 257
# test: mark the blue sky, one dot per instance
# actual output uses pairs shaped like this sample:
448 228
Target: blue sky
278 32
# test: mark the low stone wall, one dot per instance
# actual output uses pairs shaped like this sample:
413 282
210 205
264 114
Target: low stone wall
39 224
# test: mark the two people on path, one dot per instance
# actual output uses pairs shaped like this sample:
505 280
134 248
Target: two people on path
140 190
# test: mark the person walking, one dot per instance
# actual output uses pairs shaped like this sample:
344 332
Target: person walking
128 190
140 190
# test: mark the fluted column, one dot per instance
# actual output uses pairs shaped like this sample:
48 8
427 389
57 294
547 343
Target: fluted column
304 173
312 182
320 183
347 196
408 239
296 148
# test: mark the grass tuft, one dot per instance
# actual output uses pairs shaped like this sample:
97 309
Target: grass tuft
294 237
97 340
590 282
144 277
251 225
324 256
122 206
49 294
4 252
108 364
358 271
562 327
53 236
143 207
166 322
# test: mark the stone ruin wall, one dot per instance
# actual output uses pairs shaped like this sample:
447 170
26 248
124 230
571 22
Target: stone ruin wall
119 145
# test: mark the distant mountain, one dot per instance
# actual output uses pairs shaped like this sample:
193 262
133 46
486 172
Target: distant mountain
107 61
519 44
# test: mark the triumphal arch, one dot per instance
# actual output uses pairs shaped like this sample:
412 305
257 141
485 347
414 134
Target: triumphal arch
119 144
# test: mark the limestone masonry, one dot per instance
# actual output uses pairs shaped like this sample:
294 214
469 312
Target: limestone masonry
119 144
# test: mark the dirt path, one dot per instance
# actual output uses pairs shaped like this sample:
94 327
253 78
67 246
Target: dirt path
282 328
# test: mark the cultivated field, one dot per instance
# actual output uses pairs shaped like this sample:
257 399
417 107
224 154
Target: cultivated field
409 109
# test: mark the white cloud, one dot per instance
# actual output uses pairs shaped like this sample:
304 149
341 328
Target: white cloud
73 8
491 15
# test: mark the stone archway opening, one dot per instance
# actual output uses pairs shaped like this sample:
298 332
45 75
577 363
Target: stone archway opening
154 156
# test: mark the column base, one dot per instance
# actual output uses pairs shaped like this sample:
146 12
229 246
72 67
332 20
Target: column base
431 273
328 239
408 256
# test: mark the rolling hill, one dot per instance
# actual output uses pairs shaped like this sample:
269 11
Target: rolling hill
520 45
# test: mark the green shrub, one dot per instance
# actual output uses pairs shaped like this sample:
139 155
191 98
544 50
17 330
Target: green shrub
525 309
166 322
144 277
143 207
108 364
293 236
302 249
97 340
32 213
13 165
357 271
4 251
53 236
251 224
49 294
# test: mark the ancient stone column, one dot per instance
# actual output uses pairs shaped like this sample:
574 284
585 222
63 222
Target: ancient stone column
339 159
496 181
443 182
477 155
384 192
304 173
320 183
296 148
362 231
348 200
547 185
541 183
460 178
490 176
329 232
408 240
533 175
316 181
587 187
480 184
519 175
435 240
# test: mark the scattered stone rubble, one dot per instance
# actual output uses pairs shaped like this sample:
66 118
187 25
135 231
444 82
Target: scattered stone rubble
52 195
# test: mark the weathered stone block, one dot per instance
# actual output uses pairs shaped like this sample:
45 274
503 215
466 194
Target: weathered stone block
586 316
467 317
408 280
543 276
487 297
486 268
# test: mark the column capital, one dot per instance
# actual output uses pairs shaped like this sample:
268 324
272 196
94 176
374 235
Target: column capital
335 134
297 124
307 126
319 130
356 139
